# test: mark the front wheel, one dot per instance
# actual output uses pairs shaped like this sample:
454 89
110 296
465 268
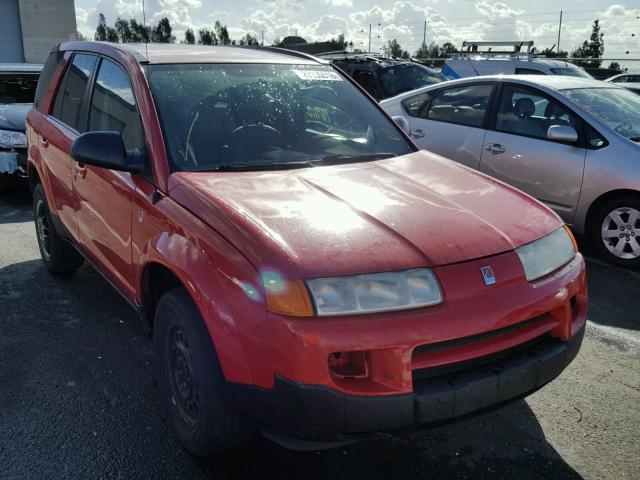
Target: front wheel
58 256
191 381
615 232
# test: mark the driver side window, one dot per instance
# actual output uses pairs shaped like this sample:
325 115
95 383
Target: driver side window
522 111
462 105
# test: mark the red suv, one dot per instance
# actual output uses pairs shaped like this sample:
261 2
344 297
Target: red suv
302 267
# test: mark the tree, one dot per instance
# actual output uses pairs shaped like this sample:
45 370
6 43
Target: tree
101 29
614 66
340 43
80 37
207 37
428 51
392 48
276 42
124 32
551 53
223 33
139 32
112 35
189 36
447 50
249 39
162 33
592 49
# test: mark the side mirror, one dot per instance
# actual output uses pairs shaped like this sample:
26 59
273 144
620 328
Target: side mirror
403 124
105 150
562 133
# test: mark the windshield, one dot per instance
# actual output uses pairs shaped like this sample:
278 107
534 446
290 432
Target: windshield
404 77
17 87
571 72
257 116
618 108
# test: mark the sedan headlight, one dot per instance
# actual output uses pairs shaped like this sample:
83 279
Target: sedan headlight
376 292
547 254
9 139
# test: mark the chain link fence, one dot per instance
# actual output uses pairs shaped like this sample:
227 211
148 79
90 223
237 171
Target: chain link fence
600 69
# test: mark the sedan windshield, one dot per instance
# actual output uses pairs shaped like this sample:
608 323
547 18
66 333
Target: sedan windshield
618 108
267 116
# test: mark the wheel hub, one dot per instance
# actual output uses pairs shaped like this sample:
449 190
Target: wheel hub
621 233
42 227
184 395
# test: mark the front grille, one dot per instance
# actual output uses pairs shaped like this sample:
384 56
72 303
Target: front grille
460 342
430 372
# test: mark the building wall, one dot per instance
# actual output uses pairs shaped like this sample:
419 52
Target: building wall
45 23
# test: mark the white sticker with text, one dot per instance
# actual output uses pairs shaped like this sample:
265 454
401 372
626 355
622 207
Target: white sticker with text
315 75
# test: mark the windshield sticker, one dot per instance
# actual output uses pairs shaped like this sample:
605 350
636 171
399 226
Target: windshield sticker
318 75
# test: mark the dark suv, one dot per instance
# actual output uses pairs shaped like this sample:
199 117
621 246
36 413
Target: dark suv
383 77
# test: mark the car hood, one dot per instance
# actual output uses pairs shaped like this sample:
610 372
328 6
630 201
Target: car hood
416 210
13 116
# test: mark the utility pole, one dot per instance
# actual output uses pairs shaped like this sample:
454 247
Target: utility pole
559 29
424 34
369 39
262 36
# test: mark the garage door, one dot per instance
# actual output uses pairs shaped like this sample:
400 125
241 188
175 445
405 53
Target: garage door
10 35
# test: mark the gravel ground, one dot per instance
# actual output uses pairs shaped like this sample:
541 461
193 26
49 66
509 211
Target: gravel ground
78 397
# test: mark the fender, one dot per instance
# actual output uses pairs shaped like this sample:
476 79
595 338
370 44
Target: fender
224 285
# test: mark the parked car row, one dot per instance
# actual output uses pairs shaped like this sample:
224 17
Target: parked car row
17 89
304 269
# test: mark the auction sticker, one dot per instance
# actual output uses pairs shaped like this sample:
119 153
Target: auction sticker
315 75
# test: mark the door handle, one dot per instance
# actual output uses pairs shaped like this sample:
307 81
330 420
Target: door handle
494 148
417 133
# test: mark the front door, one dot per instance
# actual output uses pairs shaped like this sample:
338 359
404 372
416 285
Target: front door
518 152
104 197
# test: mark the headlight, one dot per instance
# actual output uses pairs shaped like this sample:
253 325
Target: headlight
10 139
375 292
547 254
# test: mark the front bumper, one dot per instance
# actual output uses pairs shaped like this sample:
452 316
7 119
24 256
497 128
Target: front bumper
308 416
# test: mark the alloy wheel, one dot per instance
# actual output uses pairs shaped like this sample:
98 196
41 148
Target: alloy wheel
43 228
620 233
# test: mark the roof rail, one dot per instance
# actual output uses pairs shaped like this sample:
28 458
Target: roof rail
293 53
516 50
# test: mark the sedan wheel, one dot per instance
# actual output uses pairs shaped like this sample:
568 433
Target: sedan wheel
615 232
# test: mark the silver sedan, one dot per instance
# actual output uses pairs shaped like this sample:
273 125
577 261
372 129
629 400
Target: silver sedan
572 143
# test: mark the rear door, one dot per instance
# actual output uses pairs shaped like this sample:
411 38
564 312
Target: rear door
58 130
516 149
104 197
451 122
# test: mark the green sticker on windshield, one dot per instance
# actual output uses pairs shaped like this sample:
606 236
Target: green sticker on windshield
318 75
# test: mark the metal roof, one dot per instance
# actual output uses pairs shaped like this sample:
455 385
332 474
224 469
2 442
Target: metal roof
181 53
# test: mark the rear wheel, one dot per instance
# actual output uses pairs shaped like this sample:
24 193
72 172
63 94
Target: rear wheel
615 232
191 381
59 257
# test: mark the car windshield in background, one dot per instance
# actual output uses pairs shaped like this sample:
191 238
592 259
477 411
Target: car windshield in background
267 116
404 77
571 72
616 107
17 87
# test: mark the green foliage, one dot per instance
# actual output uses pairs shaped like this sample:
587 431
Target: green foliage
249 39
101 29
615 66
162 33
552 53
591 49
339 43
207 37
189 36
276 42
223 33
393 49
433 50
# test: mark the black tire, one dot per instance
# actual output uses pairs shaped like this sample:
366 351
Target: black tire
59 256
627 232
191 381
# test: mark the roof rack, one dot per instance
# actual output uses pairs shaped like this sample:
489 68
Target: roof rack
474 48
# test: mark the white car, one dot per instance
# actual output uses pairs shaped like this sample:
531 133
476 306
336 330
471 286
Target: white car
573 143
629 80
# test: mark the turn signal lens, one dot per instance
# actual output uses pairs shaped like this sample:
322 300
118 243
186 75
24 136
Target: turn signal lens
572 237
289 297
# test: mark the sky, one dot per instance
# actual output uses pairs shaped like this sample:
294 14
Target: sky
404 20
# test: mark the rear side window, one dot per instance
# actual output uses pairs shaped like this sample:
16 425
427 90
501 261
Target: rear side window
113 106
528 71
70 96
462 105
46 76
415 103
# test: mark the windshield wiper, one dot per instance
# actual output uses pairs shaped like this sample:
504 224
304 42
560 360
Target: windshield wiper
326 160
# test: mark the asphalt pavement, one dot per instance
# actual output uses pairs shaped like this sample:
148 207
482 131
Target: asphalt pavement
78 398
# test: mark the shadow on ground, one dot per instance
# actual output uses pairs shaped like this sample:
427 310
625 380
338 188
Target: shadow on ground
15 205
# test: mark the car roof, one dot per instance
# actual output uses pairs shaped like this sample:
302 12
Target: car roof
553 82
20 68
181 53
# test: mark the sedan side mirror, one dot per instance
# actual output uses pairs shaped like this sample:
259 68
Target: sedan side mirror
562 133
403 124
105 150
